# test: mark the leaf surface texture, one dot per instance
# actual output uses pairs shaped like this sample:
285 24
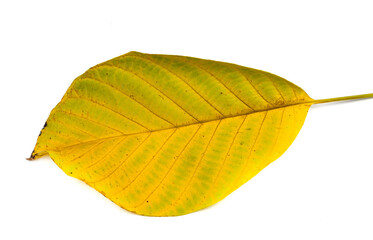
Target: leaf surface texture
164 135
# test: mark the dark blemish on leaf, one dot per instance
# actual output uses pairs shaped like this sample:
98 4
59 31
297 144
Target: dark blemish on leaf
147 201
106 73
31 156
241 143
45 124
221 92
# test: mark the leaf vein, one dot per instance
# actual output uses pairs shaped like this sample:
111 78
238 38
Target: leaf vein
125 159
278 132
106 155
128 97
251 150
147 164
153 86
195 169
252 85
90 149
218 80
85 118
186 125
274 84
96 103
180 78
224 161
74 127
171 167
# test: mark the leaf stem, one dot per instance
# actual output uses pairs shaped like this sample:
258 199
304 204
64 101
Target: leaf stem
354 97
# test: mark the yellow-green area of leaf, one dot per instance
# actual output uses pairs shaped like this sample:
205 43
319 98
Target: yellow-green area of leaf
164 135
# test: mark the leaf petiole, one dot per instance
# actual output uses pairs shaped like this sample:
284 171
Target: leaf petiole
354 97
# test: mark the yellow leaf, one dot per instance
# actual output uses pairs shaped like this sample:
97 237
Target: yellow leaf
164 135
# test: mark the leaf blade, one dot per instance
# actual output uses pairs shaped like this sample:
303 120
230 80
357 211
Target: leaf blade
155 151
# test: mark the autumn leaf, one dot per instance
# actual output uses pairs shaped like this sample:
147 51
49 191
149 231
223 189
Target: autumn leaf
164 135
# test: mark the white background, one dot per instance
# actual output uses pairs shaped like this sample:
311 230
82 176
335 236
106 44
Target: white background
321 188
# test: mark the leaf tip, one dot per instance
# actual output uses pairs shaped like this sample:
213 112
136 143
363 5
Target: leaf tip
32 156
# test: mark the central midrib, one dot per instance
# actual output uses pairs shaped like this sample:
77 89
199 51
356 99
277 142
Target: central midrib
183 125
